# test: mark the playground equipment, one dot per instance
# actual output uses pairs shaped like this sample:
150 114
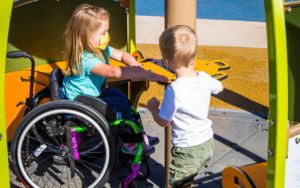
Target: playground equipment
278 115
283 42
68 142
76 137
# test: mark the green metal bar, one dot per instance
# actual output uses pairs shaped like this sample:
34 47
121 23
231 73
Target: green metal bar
278 102
132 37
133 126
136 113
139 146
79 129
5 13
116 123
139 151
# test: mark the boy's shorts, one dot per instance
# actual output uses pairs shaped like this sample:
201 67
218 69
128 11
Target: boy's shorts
188 161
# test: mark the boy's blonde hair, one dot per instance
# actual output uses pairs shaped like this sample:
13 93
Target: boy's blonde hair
85 20
179 45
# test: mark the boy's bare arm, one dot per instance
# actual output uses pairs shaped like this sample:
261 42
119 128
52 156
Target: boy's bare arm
153 106
158 120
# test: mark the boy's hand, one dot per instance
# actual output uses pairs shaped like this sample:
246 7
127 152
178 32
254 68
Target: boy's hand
153 104
138 64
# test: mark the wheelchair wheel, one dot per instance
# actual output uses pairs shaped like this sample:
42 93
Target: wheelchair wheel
45 153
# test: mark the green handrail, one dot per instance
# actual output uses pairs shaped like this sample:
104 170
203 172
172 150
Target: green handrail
278 102
5 13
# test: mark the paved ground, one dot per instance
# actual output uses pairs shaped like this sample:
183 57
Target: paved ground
209 32
240 139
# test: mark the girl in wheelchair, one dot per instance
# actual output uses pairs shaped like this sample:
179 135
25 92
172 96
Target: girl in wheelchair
71 142
87 52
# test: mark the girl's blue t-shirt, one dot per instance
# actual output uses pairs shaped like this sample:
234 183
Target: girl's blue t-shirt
86 83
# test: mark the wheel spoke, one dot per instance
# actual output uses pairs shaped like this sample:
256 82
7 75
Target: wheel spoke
47 143
54 138
89 156
92 164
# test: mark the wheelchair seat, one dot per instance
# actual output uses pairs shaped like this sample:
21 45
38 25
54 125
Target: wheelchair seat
56 78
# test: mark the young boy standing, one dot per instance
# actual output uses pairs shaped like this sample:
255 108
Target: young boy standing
185 105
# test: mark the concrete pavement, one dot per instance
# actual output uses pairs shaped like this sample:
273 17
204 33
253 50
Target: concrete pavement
209 32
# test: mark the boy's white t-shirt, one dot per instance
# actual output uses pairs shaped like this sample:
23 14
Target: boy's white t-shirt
186 104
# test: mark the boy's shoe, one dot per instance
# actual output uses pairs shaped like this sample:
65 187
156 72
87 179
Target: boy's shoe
150 140
131 149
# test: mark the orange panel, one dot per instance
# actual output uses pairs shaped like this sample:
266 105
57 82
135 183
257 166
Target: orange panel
249 176
47 68
16 92
17 83
214 68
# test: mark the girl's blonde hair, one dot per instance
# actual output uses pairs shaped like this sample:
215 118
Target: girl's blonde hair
179 45
85 20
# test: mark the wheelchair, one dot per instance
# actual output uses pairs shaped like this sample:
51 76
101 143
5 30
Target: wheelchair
61 143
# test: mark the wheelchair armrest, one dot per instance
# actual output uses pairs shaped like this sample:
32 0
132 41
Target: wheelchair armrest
99 105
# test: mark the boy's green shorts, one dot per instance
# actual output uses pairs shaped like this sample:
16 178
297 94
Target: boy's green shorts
188 161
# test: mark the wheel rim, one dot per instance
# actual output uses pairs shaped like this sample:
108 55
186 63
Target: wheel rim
40 117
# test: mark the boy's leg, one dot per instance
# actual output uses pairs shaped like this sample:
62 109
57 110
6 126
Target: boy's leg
187 162
187 183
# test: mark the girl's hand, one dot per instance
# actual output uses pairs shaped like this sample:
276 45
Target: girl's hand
137 64
158 78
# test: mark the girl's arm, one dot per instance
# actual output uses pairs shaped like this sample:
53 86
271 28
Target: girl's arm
124 57
134 73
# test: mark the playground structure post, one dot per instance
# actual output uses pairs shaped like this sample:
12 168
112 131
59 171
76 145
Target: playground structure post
278 86
5 13
132 36
177 12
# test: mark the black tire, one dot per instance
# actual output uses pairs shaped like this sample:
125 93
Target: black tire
44 127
